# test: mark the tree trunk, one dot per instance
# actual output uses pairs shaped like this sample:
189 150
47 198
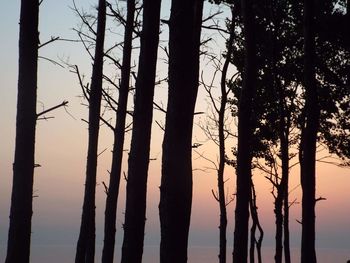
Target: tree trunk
244 157
286 242
255 225
308 147
222 155
279 225
176 183
86 242
18 247
134 226
282 189
284 141
281 201
119 132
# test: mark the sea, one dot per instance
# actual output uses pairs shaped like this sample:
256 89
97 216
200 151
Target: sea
65 254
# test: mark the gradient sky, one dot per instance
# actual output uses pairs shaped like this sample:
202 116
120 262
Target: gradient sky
61 151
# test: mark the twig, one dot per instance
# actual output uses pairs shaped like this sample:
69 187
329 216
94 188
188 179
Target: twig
63 104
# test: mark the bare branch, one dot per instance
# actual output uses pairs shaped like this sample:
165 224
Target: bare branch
161 126
158 107
215 195
125 176
63 104
107 123
53 39
52 61
105 186
320 199
201 155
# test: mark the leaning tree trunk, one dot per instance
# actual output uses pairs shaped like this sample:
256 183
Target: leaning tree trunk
86 242
18 247
135 213
119 132
244 157
308 147
176 183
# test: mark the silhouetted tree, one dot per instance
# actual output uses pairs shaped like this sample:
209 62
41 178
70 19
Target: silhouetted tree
119 132
309 137
274 109
222 154
255 242
244 148
282 41
86 242
134 226
216 129
327 98
176 183
18 247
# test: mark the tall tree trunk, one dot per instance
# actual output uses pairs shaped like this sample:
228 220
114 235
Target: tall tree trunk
86 242
176 183
284 142
281 201
222 154
135 213
119 132
18 247
308 147
244 157
282 188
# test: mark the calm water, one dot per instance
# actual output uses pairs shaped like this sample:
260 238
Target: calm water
65 254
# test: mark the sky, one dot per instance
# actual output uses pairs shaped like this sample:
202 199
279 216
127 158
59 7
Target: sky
61 152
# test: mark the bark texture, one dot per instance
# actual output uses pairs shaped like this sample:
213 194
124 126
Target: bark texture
86 242
18 248
244 156
119 133
176 183
135 213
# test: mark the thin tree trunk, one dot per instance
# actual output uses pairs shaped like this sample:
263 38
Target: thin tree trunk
284 142
86 242
279 225
255 225
176 183
281 200
282 188
18 246
282 195
286 242
252 242
222 155
308 180
119 132
135 213
244 156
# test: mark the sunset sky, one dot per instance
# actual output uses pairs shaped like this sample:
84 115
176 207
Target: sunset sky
61 152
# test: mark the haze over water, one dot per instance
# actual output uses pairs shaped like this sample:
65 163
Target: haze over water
65 254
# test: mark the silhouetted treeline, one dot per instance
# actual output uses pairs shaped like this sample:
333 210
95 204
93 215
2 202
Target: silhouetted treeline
291 88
